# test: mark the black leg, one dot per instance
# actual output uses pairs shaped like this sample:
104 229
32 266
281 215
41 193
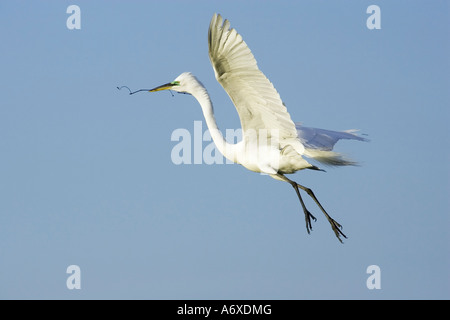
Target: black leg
334 224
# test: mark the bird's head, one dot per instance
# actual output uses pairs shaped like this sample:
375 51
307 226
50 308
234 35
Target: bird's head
184 83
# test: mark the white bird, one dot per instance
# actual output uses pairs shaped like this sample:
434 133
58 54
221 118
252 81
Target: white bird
271 142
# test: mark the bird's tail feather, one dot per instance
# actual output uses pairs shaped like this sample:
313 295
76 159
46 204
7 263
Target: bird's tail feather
329 158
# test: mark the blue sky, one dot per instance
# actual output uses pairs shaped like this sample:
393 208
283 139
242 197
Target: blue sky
86 176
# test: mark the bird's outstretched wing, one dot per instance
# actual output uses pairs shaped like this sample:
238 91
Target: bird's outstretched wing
257 101
319 144
322 139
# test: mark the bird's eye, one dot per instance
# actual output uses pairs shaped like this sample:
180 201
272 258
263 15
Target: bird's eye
175 83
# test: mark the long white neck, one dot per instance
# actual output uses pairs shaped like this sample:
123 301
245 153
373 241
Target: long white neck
228 150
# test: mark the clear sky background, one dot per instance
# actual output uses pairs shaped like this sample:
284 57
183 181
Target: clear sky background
86 176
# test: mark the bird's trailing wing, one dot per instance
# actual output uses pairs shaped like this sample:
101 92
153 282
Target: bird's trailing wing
319 144
322 139
257 101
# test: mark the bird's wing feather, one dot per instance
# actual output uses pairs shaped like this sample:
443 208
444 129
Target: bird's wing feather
257 101
322 139
319 144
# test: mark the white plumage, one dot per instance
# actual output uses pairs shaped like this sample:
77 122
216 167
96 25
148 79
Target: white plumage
271 142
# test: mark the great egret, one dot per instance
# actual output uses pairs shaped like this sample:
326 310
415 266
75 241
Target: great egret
271 142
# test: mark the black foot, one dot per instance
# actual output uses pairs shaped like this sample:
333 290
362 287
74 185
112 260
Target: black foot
308 217
336 228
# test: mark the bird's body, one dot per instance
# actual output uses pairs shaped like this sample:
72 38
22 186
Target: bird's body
271 142
260 150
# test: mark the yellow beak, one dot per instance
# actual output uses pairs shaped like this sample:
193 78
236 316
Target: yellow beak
162 87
